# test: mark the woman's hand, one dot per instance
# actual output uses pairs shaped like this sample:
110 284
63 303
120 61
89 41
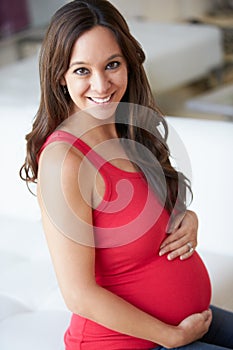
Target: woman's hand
192 328
183 240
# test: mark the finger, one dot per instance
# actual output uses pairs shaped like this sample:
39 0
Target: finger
184 252
179 233
174 245
207 314
191 249
173 237
187 255
180 253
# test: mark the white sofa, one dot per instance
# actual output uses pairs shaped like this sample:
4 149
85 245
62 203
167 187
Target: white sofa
32 312
177 52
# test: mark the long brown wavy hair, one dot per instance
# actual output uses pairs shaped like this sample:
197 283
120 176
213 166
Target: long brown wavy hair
66 26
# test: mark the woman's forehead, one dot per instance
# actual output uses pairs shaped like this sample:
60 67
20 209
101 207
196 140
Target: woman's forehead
98 42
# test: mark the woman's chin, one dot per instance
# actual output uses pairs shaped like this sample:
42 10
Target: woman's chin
103 111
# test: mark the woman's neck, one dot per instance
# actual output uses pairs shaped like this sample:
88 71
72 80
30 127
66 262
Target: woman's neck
90 129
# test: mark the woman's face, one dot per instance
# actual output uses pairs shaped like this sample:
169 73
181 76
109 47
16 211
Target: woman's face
97 74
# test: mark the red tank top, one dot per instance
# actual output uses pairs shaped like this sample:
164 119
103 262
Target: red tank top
129 226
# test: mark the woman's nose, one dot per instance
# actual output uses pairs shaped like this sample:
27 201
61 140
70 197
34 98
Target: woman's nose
100 83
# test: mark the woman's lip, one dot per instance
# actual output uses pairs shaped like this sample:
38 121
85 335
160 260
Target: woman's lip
101 100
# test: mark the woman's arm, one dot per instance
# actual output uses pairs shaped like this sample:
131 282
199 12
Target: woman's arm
74 266
179 242
74 263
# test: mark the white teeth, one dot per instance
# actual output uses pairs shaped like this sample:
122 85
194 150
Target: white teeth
101 100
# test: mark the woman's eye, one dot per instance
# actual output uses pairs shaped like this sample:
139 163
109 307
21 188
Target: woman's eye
113 65
81 71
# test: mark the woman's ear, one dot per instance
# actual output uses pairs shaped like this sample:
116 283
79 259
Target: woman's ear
63 85
63 82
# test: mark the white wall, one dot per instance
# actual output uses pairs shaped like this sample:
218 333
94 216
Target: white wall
160 10
190 8
130 8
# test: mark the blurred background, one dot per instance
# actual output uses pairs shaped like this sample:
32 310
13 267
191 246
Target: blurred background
186 69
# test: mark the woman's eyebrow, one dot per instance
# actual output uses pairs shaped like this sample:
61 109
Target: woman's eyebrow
115 56
86 63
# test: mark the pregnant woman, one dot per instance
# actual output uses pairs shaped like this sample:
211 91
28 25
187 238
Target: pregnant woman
109 196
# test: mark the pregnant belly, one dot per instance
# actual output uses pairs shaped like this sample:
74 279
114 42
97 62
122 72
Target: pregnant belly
169 290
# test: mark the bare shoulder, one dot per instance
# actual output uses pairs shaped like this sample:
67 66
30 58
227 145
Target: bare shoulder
63 163
59 153
64 196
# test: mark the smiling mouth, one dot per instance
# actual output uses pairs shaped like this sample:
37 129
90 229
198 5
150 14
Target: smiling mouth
101 100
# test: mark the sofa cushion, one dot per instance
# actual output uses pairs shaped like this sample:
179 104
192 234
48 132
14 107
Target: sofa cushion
11 306
41 330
